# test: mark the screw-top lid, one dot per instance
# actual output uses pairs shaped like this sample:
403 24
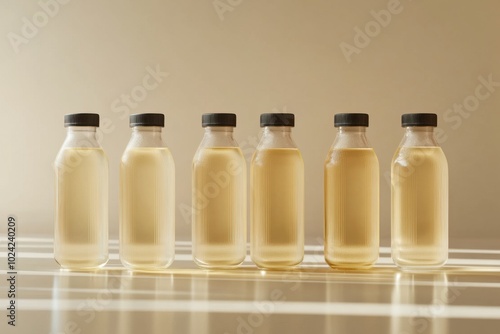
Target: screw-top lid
218 119
351 119
422 119
149 119
81 119
277 119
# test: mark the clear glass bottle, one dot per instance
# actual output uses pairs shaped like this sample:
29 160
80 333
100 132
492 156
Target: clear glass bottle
147 197
219 196
351 196
277 196
81 217
419 177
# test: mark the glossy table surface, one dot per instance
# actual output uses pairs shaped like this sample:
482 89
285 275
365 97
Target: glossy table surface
462 297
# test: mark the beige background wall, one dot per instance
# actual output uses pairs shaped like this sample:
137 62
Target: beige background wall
251 57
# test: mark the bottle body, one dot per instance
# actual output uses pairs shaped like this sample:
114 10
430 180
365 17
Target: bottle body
219 206
147 202
219 195
277 200
351 194
81 219
419 177
351 207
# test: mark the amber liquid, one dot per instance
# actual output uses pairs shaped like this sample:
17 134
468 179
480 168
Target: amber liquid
219 207
277 215
81 223
147 221
351 207
419 207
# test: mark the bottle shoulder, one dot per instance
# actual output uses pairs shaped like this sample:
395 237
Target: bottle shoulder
81 156
218 139
142 155
276 139
355 155
408 156
277 155
207 155
348 140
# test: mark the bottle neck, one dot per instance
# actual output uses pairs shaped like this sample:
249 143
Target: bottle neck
419 136
277 137
278 130
146 136
219 131
153 131
219 136
81 136
351 137
359 130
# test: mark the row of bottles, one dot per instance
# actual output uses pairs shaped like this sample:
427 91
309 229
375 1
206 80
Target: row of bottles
219 178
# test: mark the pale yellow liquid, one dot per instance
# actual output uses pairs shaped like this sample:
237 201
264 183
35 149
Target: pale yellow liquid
81 224
219 207
147 207
419 207
351 207
277 215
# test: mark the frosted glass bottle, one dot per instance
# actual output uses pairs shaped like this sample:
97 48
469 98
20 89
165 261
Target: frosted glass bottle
351 196
147 197
419 196
277 196
219 196
81 217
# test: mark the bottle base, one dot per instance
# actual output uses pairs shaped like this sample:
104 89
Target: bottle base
218 264
352 258
146 267
277 264
421 257
351 266
416 266
80 265
420 267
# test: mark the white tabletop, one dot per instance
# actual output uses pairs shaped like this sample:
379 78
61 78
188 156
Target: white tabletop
462 297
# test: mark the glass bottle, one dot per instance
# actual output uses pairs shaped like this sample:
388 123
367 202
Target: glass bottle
219 196
351 196
81 217
147 197
277 196
419 180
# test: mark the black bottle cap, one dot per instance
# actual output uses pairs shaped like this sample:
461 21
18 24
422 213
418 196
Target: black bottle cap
147 120
351 119
82 119
218 119
419 120
277 119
